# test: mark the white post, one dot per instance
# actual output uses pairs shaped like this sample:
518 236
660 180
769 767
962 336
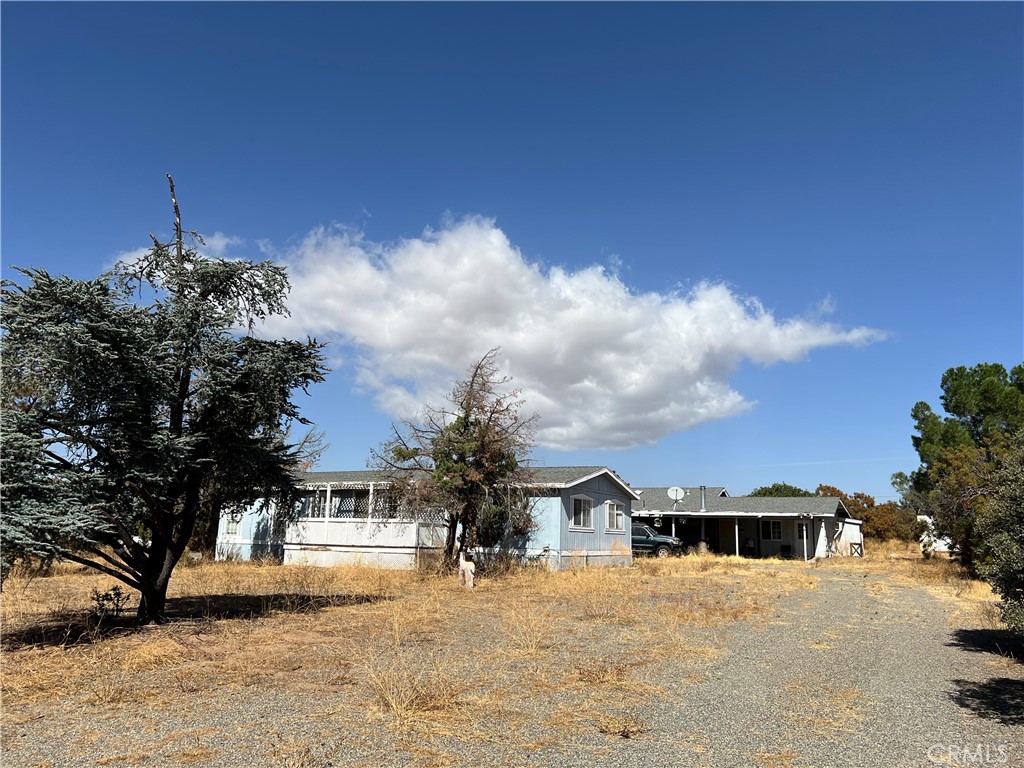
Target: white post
737 520
327 515
807 532
369 512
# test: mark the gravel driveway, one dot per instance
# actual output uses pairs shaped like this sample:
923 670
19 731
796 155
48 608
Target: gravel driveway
859 672
856 673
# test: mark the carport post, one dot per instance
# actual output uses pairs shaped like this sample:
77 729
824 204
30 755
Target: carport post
807 532
737 521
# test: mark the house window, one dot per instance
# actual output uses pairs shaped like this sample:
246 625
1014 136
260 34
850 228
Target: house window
231 527
616 517
360 503
771 530
582 512
342 504
801 531
313 504
386 502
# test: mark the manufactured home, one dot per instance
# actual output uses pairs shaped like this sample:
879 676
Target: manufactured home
581 516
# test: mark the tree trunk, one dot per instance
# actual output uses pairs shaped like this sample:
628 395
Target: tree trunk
206 540
448 561
154 601
156 573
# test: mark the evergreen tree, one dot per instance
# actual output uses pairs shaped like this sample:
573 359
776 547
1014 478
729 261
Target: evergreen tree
984 407
125 421
1002 528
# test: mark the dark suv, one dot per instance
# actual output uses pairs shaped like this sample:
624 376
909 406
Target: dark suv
647 541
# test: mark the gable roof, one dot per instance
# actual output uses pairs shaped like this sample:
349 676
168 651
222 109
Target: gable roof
818 506
717 501
566 477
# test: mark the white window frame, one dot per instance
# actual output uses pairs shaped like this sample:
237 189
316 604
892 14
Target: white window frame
618 509
572 514
232 526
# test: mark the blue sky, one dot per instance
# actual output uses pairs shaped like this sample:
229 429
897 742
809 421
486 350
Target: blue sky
723 244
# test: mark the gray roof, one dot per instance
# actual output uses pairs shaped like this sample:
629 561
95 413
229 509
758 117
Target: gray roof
358 476
777 505
563 475
540 476
750 505
657 498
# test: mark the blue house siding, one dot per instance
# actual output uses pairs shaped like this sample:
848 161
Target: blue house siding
250 536
598 543
554 539
547 516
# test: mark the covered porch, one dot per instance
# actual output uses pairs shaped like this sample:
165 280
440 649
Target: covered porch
744 534
757 526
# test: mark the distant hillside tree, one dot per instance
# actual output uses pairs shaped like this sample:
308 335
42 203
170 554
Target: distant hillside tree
133 405
780 490
470 458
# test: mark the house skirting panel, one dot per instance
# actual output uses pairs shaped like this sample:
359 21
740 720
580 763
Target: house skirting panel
556 559
398 558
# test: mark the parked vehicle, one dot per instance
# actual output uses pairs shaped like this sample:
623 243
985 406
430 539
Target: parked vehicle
647 541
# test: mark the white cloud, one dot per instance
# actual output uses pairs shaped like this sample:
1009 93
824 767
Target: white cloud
605 367
217 244
126 257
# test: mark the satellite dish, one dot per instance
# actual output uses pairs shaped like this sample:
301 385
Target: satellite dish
676 493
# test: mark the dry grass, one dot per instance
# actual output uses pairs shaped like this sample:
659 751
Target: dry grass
405 688
784 758
440 671
623 726
412 652
826 710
